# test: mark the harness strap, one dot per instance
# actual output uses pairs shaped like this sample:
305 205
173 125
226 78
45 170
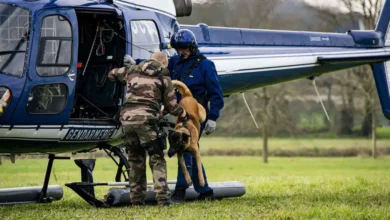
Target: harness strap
199 59
184 123
161 78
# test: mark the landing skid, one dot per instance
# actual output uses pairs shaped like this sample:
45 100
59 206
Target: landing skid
115 196
26 195
121 196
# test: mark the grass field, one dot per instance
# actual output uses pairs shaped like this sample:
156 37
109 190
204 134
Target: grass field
289 147
231 143
286 188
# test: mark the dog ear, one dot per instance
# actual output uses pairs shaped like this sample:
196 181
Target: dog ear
174 136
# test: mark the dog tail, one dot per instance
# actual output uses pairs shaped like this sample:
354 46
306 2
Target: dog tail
201 113
183 89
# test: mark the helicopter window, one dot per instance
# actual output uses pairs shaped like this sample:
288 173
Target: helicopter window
145 38
55 46
14 32
47 99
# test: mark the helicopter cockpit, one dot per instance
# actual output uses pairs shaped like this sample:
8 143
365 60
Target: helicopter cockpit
14 29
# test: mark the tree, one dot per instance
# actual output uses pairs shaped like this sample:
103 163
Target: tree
361 78
271 107
232 13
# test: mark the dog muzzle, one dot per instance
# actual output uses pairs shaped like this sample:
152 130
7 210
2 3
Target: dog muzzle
171 152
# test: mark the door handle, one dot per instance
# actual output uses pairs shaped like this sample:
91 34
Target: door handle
71 75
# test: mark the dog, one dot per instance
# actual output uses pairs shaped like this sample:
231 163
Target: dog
186 134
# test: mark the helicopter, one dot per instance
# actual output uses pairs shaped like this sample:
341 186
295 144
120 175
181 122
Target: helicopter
55 56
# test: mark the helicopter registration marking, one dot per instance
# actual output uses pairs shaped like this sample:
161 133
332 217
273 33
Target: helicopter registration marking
82 134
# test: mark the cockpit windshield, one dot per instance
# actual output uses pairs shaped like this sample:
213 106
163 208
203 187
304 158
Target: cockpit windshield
14 33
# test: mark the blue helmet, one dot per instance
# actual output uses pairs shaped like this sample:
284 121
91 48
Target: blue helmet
184 38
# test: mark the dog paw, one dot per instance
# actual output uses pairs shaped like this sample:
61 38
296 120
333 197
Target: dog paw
189 181
201 182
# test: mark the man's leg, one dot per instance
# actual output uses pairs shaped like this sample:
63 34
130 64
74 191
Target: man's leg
195 179
158 166
205 192
181 184
137 162
157 163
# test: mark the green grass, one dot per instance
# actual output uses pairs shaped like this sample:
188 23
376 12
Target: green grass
288 188
256 143
383 132
292 147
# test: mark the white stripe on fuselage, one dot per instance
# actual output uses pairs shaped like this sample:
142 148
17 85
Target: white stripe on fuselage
263 63
354 52
230 66
53 132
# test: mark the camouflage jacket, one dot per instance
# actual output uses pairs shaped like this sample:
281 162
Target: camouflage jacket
144 92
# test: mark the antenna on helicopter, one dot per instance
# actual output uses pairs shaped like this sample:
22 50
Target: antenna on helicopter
313 79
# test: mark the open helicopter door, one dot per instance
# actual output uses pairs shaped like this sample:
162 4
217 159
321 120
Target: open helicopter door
49 92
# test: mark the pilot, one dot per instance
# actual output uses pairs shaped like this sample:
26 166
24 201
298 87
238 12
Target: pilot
147 90
200 76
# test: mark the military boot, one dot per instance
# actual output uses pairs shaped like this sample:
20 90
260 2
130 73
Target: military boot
207 196
166 203
178 195
138 204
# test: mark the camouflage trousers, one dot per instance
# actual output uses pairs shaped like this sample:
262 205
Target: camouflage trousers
136 135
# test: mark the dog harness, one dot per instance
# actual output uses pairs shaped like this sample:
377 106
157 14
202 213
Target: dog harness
184 125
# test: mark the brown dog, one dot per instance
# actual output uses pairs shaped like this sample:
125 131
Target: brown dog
186 134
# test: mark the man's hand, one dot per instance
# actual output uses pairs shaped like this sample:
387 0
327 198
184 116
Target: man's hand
111 75
128 61
163 111
210 126
183 116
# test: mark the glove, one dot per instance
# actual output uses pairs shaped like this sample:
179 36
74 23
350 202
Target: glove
128 61
210 126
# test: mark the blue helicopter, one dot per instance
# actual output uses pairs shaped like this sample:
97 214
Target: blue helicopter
55 56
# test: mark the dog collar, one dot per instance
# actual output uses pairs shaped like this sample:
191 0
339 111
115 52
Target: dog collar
184 125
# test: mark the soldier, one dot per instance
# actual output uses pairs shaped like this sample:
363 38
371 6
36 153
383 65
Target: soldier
148 87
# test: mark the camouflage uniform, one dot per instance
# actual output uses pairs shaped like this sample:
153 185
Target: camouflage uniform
139 118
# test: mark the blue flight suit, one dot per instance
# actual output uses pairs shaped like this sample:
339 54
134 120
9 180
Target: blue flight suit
204 84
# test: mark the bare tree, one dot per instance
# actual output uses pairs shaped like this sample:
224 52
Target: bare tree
271 107
361 78
265 119
232 13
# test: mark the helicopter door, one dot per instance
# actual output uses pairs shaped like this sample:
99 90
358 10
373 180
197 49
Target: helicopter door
49 91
